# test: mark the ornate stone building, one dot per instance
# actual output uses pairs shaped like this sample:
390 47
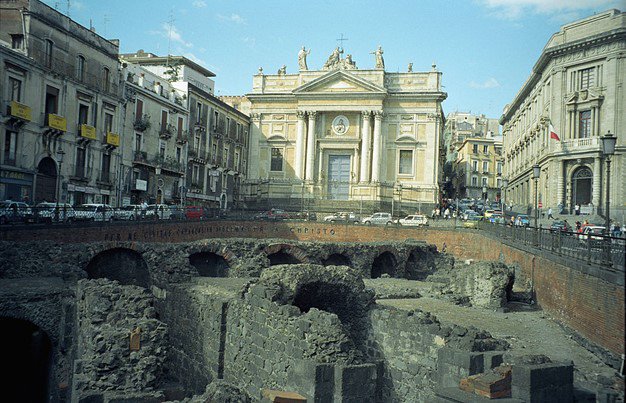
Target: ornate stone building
478 168
577 86
342 136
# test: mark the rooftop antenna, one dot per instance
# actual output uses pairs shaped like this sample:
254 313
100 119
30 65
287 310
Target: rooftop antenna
105 19
68 8
170 25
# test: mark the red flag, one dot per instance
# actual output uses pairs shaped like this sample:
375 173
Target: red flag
553 134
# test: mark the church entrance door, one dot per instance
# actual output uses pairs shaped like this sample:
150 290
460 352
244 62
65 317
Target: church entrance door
338 177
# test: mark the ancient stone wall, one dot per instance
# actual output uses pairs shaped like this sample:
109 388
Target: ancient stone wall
407 343
110 363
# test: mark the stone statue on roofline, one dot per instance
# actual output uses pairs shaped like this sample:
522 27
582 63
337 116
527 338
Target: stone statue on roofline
282 71
334 60
302 54
380 62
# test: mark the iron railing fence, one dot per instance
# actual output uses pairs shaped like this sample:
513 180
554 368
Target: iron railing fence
593 249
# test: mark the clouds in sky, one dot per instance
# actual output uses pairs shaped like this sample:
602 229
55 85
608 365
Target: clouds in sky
514 9
170 31
234 18
487 84
199 3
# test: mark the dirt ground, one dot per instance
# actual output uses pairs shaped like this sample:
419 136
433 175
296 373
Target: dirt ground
528 331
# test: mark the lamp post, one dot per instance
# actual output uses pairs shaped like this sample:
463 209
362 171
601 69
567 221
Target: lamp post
484 197
608 149
157 171
536 173
60 155
505 184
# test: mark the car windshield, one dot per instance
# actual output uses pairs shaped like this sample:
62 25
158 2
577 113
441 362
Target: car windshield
128 208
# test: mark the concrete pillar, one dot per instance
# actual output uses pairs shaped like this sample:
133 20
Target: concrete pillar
300 146
310 146
597 183
364 172
376 147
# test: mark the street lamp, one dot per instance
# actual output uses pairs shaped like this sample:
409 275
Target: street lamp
484 196
536 173
608 149
505 185
60 155
157 171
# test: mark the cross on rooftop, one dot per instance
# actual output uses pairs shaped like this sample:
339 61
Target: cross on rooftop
340 40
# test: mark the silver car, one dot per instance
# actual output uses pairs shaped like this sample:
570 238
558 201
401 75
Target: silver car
378 219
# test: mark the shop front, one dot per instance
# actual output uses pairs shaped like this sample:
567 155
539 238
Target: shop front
16 185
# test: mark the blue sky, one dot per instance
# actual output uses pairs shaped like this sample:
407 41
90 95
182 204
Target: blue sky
485 48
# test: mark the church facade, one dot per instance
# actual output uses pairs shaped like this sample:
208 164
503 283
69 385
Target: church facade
341 136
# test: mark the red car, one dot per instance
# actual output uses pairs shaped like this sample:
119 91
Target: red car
193 212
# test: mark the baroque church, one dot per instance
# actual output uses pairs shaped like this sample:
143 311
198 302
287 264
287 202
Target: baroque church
343 137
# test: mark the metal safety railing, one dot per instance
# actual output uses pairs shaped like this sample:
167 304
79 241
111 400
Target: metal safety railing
597 249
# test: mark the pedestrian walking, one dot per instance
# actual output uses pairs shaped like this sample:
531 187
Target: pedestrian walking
550 213
577 209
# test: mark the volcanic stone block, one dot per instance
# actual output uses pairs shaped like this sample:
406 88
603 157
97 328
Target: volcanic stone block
279 396
539 383
453 365
493 384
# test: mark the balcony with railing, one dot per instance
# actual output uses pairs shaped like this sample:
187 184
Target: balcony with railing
580 144
166 131
142 123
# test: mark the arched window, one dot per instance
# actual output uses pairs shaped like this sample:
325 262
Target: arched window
80 68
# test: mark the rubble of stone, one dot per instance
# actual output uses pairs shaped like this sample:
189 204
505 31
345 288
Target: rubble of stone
106 364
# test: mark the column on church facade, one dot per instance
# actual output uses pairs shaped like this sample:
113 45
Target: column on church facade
597 183
299 160
364 172
376 147
253 148
310 146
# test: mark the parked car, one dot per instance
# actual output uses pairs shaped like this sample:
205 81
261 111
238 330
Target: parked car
15 212
272 215
47 212
496 218
559 225
177 213
413 220
94 212
193 212
472 221
489 213
128 213
594 232
343 216
159 211
378 219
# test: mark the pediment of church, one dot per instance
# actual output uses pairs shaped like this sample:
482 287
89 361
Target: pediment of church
338 82
587 95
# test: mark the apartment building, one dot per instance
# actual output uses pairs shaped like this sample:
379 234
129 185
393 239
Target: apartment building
217 136
154 146
60 107
478 168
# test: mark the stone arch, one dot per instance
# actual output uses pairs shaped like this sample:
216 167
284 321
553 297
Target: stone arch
46 186
209 264
122 264
31 372
285 254
419 264
384 263
337 259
